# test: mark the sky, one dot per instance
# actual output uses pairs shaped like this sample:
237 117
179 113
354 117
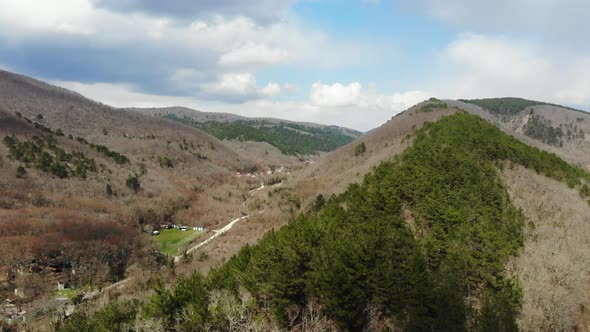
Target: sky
354 63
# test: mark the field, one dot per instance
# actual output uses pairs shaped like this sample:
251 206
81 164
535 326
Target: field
66 293
172 240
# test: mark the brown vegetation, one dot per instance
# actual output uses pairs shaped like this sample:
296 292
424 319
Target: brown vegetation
553 267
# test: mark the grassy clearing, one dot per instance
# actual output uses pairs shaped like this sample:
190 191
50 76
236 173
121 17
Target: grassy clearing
66 293
172 240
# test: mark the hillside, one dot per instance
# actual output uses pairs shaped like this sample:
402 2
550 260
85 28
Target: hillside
84 184
332 173
561 130
431 240
291 138
435 220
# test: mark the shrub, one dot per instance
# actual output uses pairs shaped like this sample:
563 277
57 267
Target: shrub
165 162
39 200
273 180
360 149
319 203
59 169
133 183
20 172
9 141
6 204
109 190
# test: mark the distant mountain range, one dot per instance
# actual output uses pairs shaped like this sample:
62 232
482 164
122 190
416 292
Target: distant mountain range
291 138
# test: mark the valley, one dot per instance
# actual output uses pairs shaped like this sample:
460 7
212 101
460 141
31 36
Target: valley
294 165
452 215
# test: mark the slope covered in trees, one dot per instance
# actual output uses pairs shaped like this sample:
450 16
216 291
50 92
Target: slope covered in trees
289 138
419 245
509 105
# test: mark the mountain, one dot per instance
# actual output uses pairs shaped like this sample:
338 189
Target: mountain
83 184
558 129
421 244
336 170
291 138
453 215
437 220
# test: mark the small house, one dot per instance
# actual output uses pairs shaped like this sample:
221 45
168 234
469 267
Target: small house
167 225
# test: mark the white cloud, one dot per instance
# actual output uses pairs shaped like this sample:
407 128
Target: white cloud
239 87
233 86
271 89
30 15
371 110
393 103
562 21
155 51
335 95
125 95
480 66
339 95
254 54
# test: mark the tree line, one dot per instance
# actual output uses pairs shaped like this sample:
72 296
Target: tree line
289 138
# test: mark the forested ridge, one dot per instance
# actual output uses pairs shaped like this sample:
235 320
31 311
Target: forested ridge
289 138
509 106
419 245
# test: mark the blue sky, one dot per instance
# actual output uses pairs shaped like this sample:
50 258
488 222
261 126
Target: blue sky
354 63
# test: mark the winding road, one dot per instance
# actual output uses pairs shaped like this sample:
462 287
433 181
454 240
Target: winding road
212 237
177 259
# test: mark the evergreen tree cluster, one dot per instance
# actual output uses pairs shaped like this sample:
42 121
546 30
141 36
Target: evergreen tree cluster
504 106
539 128
44 154
113 317
289 138
433 104
509 105
360 149
116 156
572 131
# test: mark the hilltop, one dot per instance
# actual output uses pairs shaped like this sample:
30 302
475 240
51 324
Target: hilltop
561 130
